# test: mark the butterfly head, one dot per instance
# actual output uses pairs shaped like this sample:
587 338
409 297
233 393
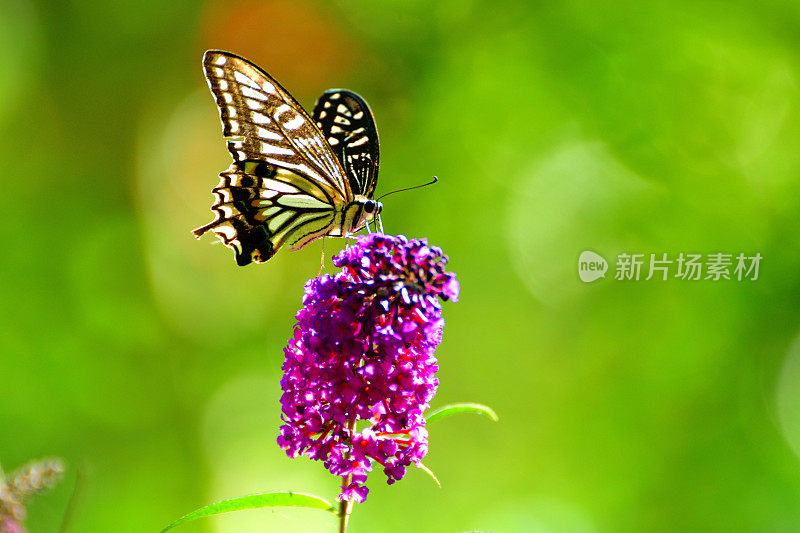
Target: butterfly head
372 209
361 212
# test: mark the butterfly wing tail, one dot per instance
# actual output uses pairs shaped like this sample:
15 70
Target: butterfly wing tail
199 232
249 244
234 222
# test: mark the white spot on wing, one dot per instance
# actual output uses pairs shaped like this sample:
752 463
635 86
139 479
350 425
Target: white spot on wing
278 186
227 97
333 141
220 60
268 87
359 142
277 150
226 231
358 115
254 104
252 93
223 84
295 123
241 78
268 134
258 118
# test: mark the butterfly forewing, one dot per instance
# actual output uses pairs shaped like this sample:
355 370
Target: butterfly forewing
261 120
346 121
285 186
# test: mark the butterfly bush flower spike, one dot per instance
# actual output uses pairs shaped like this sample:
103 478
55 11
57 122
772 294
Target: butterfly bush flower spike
363 352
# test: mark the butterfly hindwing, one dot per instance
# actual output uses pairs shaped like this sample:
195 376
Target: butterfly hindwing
346 121
257 210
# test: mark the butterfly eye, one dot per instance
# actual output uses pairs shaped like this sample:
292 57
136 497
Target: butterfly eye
370 206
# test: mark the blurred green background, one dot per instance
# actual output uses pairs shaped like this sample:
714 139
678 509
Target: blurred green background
150 362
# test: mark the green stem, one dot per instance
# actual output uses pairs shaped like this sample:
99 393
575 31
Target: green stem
346 507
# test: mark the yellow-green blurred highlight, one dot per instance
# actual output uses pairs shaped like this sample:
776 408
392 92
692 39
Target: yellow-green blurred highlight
151 363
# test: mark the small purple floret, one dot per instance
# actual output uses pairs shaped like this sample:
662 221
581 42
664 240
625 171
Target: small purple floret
363 350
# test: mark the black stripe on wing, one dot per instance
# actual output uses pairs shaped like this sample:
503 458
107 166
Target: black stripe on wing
346 121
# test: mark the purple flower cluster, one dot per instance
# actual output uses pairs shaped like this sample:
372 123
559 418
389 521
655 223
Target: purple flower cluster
363 350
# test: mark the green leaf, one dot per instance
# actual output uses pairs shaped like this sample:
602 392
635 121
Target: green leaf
255 501
454 408
430 473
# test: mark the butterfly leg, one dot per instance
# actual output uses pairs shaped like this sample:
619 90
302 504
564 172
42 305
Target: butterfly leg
380 224
322 258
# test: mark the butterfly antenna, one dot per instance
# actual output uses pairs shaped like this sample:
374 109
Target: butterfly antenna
434 180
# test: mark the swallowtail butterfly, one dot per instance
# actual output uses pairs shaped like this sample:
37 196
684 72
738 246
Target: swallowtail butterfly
294 178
